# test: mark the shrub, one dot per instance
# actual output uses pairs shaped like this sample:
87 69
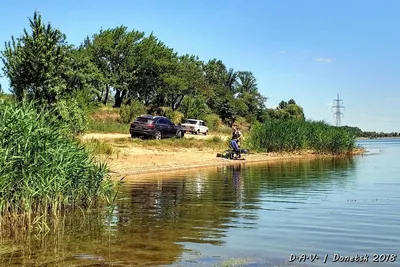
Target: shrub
131 111
71 116
174 115
213 121
194 107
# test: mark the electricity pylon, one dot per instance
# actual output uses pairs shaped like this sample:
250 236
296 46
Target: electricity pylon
338 114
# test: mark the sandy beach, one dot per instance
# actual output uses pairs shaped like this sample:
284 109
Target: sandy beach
129 160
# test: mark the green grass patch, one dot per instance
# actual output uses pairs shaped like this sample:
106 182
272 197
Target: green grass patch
295 135
107 126
98 147
215 143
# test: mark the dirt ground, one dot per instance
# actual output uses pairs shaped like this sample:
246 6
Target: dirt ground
130 160
105 136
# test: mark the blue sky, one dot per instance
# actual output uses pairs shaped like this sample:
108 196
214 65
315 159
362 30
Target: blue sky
307 50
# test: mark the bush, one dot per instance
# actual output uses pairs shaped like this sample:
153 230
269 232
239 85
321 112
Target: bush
194 107
174 115
71 116
213 121
291 135
129 112
41 167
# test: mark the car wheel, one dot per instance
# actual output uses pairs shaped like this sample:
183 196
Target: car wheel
158 135
179 135
205 133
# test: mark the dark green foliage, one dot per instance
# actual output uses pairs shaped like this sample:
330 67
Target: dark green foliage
113 52
36 61
285 111
71 116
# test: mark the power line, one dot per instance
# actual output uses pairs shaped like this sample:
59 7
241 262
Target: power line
338 114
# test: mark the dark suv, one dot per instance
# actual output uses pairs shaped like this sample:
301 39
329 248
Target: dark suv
155 126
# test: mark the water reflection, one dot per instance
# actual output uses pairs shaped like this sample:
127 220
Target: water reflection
156 220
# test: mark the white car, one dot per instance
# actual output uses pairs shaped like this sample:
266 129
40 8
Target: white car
195 126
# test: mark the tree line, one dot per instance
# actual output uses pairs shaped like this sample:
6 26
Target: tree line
126 67
370 134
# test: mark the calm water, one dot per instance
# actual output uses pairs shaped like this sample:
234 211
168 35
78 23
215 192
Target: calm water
257 214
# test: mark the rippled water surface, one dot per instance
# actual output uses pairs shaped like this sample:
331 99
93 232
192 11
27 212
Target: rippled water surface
244 215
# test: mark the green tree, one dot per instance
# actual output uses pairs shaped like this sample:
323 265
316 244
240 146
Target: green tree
186 78
247 82
152 60
215 72
231 80
194 107
83 75
35 62
282 105
113 52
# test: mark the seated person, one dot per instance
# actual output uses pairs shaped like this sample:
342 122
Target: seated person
235 148
236 135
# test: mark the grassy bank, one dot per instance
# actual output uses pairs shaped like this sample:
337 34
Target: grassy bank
295 135
99 147
43 169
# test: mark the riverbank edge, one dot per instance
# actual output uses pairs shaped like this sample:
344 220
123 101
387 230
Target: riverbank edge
253 158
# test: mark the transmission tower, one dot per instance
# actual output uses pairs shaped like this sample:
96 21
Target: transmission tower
338 114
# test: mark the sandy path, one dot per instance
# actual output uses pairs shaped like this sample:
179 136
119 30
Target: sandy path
104 136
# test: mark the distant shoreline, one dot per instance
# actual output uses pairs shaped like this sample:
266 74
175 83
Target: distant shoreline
367 138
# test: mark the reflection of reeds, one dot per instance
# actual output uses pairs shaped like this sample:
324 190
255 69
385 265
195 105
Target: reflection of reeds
44 172
292 135
24 248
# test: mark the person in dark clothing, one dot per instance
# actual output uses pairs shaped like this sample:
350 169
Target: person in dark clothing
236 135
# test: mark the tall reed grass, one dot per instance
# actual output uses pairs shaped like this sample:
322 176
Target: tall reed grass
43 170
294 135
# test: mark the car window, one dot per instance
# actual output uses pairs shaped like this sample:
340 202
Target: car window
161 121
145 120
168 122
191 121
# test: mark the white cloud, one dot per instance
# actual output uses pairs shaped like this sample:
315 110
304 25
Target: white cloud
324 59
273 107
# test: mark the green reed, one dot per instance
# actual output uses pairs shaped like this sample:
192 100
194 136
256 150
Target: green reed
43 170
295 135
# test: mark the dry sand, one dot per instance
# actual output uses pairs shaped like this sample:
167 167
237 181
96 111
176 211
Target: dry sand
130 160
